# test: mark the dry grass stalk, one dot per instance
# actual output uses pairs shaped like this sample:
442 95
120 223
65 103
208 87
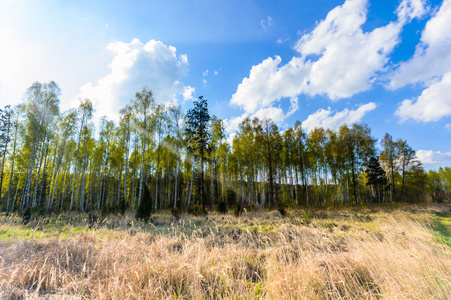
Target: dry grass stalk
393 256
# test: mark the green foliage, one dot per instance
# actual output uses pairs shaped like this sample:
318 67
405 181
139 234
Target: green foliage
198 136
56 162
306 217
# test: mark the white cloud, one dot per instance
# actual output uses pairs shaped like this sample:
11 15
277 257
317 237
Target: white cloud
432 56
328 119
276 114
230 138
429 157
350 60
433 104
233 124
283 39
410 9
265 23
134 66
188 93
268 83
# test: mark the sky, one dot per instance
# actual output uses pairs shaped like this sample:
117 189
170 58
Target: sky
323 63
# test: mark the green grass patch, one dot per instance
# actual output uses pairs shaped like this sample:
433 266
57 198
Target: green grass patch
442 227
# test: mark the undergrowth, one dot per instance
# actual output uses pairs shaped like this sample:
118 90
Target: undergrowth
388 252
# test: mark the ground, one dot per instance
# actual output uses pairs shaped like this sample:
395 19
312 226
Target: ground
361 252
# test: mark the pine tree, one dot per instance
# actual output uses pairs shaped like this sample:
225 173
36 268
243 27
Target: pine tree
198 135
376 177
145 207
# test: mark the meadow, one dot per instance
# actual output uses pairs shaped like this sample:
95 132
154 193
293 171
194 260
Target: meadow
362 252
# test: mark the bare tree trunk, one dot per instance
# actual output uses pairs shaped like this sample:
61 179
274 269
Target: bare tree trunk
176 178
212 188
76 164
125 173
157 173
11 176
142 176
119 187
26 193
83 183
191 187
55 176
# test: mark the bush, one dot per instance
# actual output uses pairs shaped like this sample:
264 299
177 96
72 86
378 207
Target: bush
145 207
195 210
27 215
176 213
104 210
222 207
92 219
282 210
122 206
238 210
306 217
231 197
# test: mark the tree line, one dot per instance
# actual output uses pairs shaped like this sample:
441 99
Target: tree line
159 158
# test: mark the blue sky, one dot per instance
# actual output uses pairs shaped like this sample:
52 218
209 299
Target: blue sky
324 63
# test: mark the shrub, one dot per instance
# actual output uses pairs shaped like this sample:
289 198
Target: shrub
176 213
27 215
282 210
222 207
306 217
231 197
122 206
92 219
195 210
238 210
145 207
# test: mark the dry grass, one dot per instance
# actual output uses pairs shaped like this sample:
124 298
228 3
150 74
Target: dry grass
365 253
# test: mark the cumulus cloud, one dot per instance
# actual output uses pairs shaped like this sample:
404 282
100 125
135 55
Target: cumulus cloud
328 119
136 65
433 104
268 83
276 114
350 59
337 58
432 57
188 93
430 157
430 66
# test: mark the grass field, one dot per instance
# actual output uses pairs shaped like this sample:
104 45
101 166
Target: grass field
376 252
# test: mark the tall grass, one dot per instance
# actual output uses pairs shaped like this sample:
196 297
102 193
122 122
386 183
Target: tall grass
348 254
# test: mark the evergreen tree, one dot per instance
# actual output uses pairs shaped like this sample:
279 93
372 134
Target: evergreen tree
198 135
376 178
145 207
